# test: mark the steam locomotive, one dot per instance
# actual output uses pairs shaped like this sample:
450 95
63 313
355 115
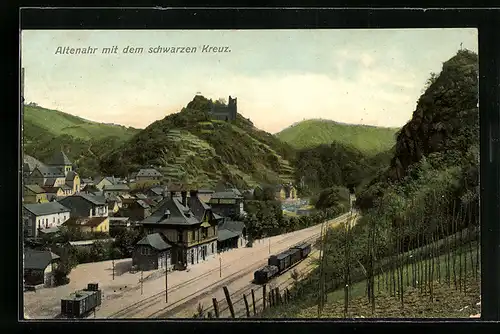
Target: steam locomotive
277 264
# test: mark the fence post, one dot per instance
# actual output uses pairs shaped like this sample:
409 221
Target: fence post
246 305
216 307
287 295
253 302
264 297
278 296
229 302
272 297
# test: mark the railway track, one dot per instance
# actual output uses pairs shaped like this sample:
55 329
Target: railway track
140 306
238 304
180 304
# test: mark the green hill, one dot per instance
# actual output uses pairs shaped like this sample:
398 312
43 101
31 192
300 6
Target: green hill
190 147
46 131
314 132
59 123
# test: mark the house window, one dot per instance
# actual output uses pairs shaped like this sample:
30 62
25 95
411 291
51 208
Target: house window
212 247
193 236
145 251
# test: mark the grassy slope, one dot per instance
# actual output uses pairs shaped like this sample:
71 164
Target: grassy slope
309 133
58 123
46 131
447 300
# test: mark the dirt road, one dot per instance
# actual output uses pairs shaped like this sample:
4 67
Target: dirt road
123 296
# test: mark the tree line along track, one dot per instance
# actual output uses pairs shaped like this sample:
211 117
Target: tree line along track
144 303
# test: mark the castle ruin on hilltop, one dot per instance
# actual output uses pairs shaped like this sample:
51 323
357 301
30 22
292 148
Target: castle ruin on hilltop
224 112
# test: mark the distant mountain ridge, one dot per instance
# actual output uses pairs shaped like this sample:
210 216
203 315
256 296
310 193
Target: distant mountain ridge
314 132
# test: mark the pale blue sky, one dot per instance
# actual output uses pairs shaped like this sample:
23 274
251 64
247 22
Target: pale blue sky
279 76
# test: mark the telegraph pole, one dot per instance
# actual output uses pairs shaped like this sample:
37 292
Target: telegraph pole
113 263
166 281
220 266
142 280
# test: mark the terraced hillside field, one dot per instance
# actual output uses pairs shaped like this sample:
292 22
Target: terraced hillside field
190 147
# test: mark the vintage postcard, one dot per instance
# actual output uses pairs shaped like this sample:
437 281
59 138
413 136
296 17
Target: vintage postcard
250 174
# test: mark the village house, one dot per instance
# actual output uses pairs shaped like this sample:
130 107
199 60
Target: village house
114 204
205 195
34 194
115 190
156 191
84 182
88 224
101 182
284 192
54 193
136 210
148 174
86 205
231 234
119 222
152 252
58 172
39 267
227 203
40 216
191 228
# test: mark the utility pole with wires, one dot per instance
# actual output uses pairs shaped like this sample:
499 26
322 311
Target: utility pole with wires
220 266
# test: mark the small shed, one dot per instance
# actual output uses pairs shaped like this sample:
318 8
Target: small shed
152 252
39 266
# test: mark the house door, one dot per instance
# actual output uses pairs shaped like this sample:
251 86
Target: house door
192 257
204 252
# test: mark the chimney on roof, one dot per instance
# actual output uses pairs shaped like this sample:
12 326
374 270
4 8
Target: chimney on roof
184 197
193 193
166 214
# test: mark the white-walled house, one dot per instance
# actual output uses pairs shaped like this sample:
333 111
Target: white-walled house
41 216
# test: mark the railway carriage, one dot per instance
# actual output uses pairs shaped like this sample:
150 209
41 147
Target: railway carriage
277 264
304 249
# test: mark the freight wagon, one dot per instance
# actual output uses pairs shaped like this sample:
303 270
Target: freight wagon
81 303
277 264
265 274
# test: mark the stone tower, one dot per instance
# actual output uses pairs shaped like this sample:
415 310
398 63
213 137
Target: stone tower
232 108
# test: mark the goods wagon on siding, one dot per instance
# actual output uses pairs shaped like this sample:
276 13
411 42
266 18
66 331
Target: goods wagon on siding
81 303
